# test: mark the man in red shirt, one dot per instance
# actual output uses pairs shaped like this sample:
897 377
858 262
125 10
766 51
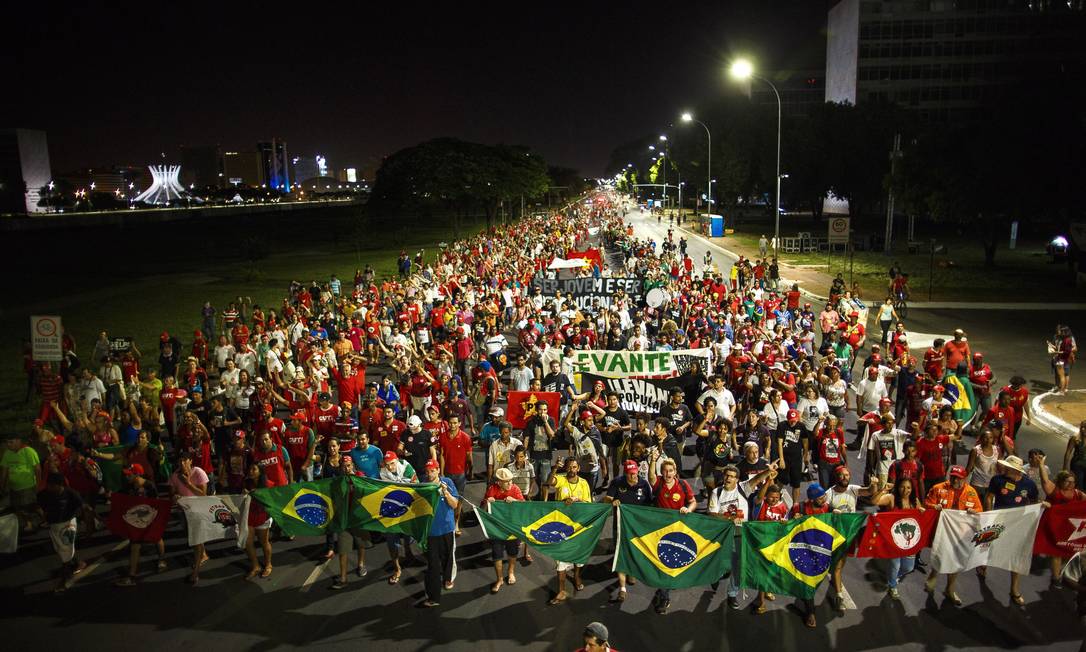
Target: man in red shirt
1019 394
300 444
670 492
933 450
385 434
956 351
325 416
456 458
273 424
272 459
981 377
934 358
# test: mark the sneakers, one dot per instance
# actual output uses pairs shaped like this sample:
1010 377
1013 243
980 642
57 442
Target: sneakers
893 593
361 571
338 584
662 607
733 602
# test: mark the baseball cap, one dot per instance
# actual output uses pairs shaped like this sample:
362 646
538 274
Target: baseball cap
165 336
598 630
432 464
39 423
585 414
299 414
58 439
938 388
239 434
885 401
631 466
133 469
497 412
957 471
793 414
414 421
815 491
503 474
324 396
854 314
391 456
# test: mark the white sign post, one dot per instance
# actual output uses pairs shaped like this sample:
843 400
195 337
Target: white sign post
45 334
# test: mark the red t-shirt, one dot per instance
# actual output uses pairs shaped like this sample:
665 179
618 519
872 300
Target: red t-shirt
673 497
1018 400
930 452
272 462
455 450
324 420
494 492
297 444
386 437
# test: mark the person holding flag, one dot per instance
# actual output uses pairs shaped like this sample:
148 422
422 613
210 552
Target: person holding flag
627 489
503 489
951 494
137 485
569 488
441 544
670 492
1011 488
901 497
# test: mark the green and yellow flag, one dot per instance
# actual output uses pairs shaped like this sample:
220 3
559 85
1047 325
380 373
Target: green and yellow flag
793 557
397 508
305 508
562 532
668 550
113 470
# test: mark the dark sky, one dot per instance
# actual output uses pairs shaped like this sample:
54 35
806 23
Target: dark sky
119 84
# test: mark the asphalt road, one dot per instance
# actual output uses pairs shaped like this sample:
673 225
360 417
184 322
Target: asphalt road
294 607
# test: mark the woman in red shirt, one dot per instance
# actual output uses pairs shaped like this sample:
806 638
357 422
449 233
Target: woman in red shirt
1064 492
768 507
503 489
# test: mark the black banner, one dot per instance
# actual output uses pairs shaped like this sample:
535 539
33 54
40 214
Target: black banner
637 395
120 344
584 290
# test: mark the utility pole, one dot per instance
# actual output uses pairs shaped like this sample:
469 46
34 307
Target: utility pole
894 155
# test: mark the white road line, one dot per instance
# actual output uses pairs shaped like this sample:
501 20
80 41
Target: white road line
91 567
314 575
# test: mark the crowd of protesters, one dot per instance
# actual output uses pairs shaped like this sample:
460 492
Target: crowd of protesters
266 395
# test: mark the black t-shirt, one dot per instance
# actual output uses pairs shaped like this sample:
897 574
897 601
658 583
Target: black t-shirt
557 382
536 440
416 446
718 452
792 436
748 470
60 507
616 417
201 411
638 494
677 416
217 419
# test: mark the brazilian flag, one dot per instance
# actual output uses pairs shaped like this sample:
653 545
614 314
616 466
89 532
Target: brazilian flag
669 550
113 469
562 532
794 557
959 391
305 508
398 508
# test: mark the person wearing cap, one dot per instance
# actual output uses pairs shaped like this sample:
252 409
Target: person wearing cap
1011 488
455 447
792 446
393 469
301 444
500 452
627 489
137 484
954 493
956 351
503 550
596 639
585 444
417 444
491 430
439 551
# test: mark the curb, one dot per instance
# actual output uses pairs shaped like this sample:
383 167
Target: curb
1049 421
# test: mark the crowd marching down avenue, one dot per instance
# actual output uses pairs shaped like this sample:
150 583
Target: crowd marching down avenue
589 402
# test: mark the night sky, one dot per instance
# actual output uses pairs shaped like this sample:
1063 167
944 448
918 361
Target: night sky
572 80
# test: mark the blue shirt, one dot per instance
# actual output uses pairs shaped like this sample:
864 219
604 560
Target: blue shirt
367 460
1012 493
444 518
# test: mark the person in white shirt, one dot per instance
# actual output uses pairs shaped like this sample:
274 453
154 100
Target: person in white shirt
885 447
638 341
813 409
725 401
842 498
521 376
775 411
501 449
869 392
731 501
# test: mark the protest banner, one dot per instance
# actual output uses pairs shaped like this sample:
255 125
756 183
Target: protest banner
639 364
587 289
639 395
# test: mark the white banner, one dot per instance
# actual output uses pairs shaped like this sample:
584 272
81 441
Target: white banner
640 364
211 518
1002 538
9 533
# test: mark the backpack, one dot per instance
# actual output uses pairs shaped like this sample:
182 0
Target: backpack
480 395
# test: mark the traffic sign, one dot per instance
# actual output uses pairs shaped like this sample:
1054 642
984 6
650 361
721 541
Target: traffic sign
45 335
838 230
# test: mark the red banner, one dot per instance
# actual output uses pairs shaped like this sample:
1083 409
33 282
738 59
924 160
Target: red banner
591 254
522 406
901 533
141 520
1062 531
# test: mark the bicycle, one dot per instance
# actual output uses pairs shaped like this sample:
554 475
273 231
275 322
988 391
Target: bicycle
901 306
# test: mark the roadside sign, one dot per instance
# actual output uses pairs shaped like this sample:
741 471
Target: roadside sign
45 334
838 230
1014 233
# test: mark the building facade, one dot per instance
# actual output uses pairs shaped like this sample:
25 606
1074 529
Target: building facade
243 169
24 170
275 165
948 59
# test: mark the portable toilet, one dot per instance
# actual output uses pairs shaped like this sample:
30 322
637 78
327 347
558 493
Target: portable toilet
716 226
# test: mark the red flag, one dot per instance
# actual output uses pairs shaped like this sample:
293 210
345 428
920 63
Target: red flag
899 533
1062 531
138 519
522 406
592 255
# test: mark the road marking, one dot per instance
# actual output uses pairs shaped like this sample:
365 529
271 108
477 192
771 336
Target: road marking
91 567
314 575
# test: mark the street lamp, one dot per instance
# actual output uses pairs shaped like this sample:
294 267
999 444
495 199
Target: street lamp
742 69
663 158
688 117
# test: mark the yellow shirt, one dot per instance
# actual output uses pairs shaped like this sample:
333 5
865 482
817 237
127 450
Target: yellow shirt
577 491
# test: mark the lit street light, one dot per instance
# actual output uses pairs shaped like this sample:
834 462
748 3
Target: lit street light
688 117
742 69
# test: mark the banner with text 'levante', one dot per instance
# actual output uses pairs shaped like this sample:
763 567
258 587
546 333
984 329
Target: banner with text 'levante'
639 364
585 290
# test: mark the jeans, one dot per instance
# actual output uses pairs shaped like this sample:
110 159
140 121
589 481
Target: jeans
886 329
898 568
733 579
542 471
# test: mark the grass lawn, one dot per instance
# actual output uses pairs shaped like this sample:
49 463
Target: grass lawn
1023 274
143 306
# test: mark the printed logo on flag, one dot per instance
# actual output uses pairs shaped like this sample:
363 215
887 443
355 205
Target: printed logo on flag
1078 529
806 552
140 516
986 536
674 548
906 532
393 505
554 527
223 516
311 507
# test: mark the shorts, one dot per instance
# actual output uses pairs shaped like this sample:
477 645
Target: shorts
792 474
508 547
459 481
563 566
350 539
397 544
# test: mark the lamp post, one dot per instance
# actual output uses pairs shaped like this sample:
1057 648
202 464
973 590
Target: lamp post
688 117
742 69
664 160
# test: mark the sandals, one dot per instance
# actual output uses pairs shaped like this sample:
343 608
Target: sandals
162 565
395 579
953 597
267 571
496 587
810 621
771 596
448 586
760 609
253 572
578 587
1018 599
558 599
511 580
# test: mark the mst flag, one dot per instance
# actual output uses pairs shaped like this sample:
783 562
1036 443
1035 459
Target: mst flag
562 532
393 507
1002 538
668 550
522 406
138 519
1062 531
900 533
210 518
794 557
304 508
